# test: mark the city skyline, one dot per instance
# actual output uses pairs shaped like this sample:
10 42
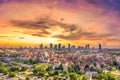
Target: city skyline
60 46
78 22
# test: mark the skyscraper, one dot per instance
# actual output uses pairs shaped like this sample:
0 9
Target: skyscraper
69 46
55 47
87 46
59 46
51 46
41 46
99 46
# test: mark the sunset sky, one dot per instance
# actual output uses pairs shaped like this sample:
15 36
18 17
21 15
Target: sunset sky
78 22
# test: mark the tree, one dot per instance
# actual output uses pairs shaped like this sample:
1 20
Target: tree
61 67
26 62
2 69
76 68
73 76
51 73
56 72
23 68
84 77
106 77
86 67
100 71
70 69
28 78
49 68
93 68
65 72
114 63
112 68
5 72
1 64
56 77
110 77
102 65
15 68
12 74
39 71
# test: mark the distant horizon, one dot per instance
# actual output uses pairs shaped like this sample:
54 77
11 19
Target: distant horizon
66 45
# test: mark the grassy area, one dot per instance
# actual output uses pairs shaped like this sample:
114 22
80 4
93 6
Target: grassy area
27 72
18 61
116 73
44 65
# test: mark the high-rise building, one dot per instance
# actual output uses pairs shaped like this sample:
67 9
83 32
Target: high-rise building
99 46
55 47
46 47
51 46
79 47
69 46
41 46
63 47
73 47
87 46
59 46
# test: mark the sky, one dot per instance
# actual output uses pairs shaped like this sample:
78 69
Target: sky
78 22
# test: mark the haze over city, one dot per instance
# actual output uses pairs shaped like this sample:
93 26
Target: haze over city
78 22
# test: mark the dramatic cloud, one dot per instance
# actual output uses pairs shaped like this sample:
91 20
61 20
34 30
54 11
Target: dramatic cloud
43 27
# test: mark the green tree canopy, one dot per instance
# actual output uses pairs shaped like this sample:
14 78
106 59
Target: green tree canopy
39 71
84 77
73 76
12 74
